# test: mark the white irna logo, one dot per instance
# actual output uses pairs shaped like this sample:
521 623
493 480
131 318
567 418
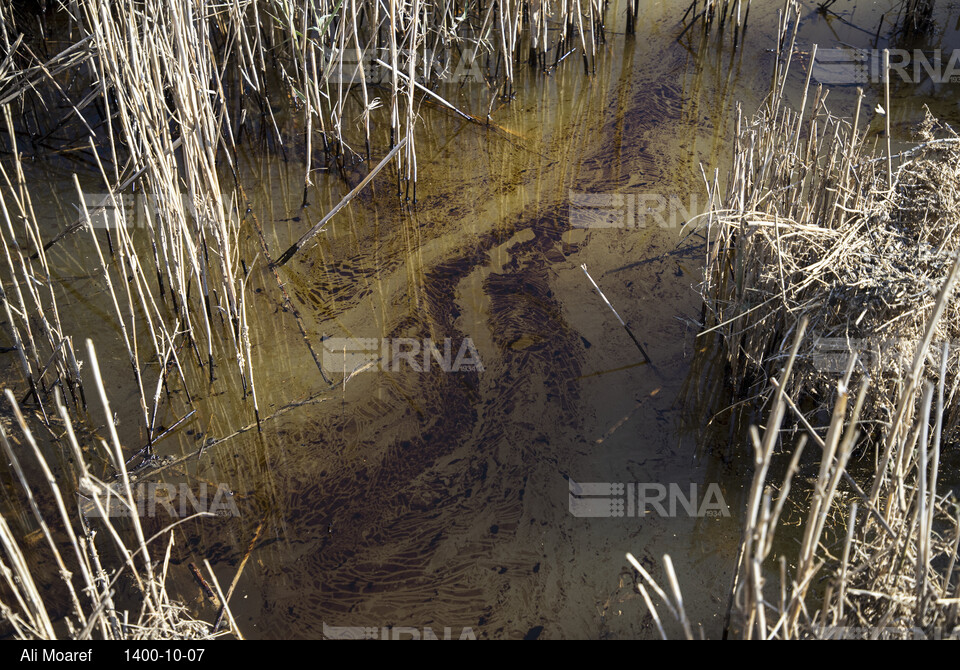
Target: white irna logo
637 499
395 633
394 354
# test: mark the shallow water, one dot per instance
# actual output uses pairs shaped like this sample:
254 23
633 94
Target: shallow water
435 499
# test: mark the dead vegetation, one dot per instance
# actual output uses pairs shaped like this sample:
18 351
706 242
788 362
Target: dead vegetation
152 106
86 542
813 226
831 293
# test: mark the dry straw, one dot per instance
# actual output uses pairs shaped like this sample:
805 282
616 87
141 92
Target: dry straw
813 225
160 97
817 239
89 572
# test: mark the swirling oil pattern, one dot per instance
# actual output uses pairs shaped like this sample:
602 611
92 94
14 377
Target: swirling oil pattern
438 503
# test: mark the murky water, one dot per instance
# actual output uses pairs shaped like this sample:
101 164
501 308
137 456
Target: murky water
441 499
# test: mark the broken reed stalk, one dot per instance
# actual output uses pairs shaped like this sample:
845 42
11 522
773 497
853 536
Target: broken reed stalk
886 115
307 236
236 578
427 91
622 323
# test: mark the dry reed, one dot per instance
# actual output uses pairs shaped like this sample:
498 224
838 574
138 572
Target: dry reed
89 572
813 225
815 239
160 94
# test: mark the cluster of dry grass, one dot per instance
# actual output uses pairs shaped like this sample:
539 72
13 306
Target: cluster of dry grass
88 570
877 555
816 239
813 226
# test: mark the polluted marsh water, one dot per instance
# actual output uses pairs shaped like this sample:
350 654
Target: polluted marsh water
405 350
